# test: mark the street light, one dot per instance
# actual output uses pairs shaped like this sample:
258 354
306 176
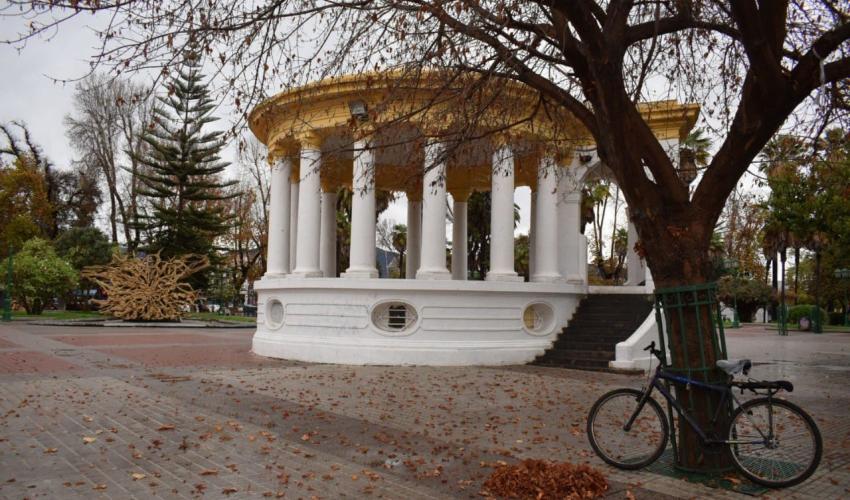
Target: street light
844 274
732 265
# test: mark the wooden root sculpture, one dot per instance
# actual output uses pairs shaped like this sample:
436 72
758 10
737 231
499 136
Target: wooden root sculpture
148 288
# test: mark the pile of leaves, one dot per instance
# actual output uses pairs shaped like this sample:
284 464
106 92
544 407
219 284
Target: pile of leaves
540 479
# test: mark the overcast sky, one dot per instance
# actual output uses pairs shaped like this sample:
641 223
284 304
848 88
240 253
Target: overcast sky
27 92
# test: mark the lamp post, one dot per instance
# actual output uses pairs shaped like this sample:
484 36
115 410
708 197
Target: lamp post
732 265
844 274
7 294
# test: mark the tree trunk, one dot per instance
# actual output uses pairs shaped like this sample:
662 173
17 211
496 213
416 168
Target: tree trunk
796 272
677 251
113 219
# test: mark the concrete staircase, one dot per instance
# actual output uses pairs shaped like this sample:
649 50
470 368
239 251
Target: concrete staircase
599 323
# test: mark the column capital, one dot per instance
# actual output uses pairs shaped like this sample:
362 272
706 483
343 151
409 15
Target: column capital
501 139
584 156
327 185
309 139
364 131
432 130
282 150
572 196
414 194
571 178
460 195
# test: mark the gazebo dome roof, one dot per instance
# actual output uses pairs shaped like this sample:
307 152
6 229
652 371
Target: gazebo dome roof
465 110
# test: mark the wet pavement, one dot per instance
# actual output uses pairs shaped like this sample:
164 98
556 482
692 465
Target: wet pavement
184 413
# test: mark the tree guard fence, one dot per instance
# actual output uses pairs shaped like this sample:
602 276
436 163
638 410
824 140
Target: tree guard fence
691 328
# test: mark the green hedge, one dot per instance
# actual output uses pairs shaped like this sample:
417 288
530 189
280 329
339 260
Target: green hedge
805 310
836 318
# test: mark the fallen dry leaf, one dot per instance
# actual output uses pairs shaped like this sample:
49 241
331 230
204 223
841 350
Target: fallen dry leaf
137 475
89 439
228 491
209 472
51 450
166 427
99 487
732 479
542 479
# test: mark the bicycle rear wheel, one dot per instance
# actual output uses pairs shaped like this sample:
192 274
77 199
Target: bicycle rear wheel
633 449
776 443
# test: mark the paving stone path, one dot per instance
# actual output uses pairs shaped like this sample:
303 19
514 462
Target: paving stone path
168 413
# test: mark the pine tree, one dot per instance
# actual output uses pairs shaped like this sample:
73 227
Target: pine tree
181 172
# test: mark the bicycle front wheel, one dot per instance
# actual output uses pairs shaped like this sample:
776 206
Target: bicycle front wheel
638 447
774 443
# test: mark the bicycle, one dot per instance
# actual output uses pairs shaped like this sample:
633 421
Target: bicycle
771 441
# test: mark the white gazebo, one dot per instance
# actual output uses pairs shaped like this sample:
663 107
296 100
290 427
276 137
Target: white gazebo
413 135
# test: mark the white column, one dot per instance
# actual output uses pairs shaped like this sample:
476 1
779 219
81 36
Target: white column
582 258
277 258
293 222
363 214
532 237
572 246
309 210
636 272
502 217
459 235
433 264
546 234
414 236
327 244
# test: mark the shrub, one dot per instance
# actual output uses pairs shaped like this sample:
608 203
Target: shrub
39 276
804 310
84 246
836 318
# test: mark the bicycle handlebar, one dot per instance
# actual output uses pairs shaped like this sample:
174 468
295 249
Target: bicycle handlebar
655 352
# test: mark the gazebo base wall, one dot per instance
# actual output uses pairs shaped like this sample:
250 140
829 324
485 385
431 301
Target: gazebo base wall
410 322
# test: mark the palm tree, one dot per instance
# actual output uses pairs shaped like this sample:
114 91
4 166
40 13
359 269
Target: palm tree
693 155
782 159
698 144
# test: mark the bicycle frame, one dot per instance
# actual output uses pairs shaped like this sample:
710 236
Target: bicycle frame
725 390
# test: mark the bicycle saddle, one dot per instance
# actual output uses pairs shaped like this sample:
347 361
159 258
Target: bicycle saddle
734 366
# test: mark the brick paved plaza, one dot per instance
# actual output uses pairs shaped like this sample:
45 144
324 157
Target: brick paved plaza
167 413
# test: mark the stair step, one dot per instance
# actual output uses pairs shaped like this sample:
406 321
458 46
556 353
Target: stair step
583 345
567 354
607 336
611 326
597 333
588 342
574 363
